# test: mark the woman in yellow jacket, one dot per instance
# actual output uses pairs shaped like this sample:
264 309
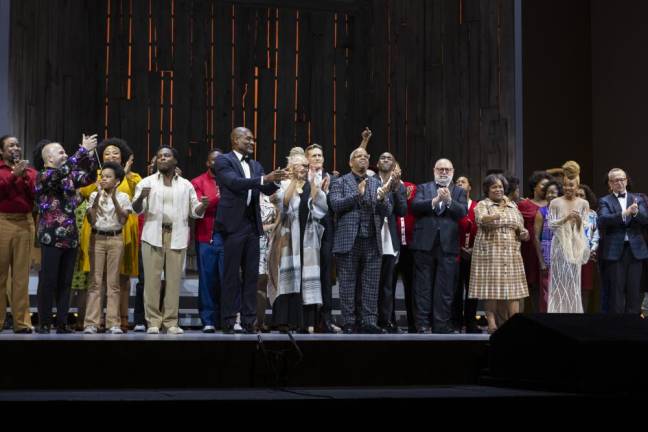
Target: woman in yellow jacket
116 150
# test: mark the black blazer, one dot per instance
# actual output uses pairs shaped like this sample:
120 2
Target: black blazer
234 190
615 230
430 222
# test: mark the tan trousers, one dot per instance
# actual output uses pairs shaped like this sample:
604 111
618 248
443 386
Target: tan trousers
16 239
124 296
105 256
155 260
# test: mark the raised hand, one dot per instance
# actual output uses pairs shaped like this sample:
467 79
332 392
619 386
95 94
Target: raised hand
366 134
362 186
128 165
326 182
19 168
277 175
89 142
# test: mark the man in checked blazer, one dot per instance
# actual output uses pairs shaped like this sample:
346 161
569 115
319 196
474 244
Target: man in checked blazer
361 207
238 219
438 207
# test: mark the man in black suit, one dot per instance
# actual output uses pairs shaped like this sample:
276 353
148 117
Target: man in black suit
389 174
360 206
238 219
621 216
438 206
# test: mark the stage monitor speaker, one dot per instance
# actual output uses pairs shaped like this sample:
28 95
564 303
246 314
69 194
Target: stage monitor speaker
585 353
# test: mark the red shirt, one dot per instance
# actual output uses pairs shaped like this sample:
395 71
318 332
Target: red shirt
405 224
16 193
205 185
468 227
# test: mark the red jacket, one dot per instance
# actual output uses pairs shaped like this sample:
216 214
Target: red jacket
16 193
468 226
406 223
205 185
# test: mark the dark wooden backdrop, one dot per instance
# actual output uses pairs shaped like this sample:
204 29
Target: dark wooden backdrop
431 78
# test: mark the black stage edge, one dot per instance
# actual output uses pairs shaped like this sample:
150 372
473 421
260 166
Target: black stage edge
195 360
581 353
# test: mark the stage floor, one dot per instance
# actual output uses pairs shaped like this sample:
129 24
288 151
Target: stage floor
198 336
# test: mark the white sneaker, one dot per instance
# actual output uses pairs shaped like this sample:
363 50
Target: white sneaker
175 330
90 329
153 330
139 328
116 330
209 329
237 327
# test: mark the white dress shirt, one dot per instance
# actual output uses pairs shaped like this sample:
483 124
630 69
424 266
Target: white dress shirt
246 171
623 202
185 202
106 216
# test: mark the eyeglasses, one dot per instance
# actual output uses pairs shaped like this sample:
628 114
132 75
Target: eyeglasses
444 169
618 180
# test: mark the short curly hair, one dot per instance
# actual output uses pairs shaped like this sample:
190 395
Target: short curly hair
126 151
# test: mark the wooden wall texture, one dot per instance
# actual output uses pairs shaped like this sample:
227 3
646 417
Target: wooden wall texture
431 78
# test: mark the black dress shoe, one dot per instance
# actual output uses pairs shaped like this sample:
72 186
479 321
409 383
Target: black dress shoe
63 330
228 329
25 330
373 329
43 329
348 329
423 330
392 328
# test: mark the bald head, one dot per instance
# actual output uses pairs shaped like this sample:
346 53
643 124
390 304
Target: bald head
242 140
53 155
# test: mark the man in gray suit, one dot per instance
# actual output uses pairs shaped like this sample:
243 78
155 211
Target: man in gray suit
361 206
438 207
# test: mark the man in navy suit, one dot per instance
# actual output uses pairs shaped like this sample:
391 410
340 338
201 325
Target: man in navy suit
360 207
238 219
621 216
438 206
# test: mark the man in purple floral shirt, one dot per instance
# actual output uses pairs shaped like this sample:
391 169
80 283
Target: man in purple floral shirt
59 178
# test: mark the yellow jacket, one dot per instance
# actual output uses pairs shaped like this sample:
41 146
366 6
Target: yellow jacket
129 263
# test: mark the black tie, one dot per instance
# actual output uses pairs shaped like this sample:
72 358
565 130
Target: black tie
440 186
621 195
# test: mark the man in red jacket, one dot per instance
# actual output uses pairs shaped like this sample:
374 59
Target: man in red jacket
16 231
209 249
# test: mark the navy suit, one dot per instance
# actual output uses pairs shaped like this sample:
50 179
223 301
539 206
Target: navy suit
435 247
358 257
623 258
240 225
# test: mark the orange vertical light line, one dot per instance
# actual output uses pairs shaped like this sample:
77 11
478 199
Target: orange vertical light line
161 106
461 11
171 113
211 90
156 46
243 96
172 28
346 33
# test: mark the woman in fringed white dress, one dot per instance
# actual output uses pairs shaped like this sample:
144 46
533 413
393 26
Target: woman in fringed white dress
569 249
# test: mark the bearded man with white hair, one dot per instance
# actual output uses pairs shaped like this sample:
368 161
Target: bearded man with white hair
438 207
